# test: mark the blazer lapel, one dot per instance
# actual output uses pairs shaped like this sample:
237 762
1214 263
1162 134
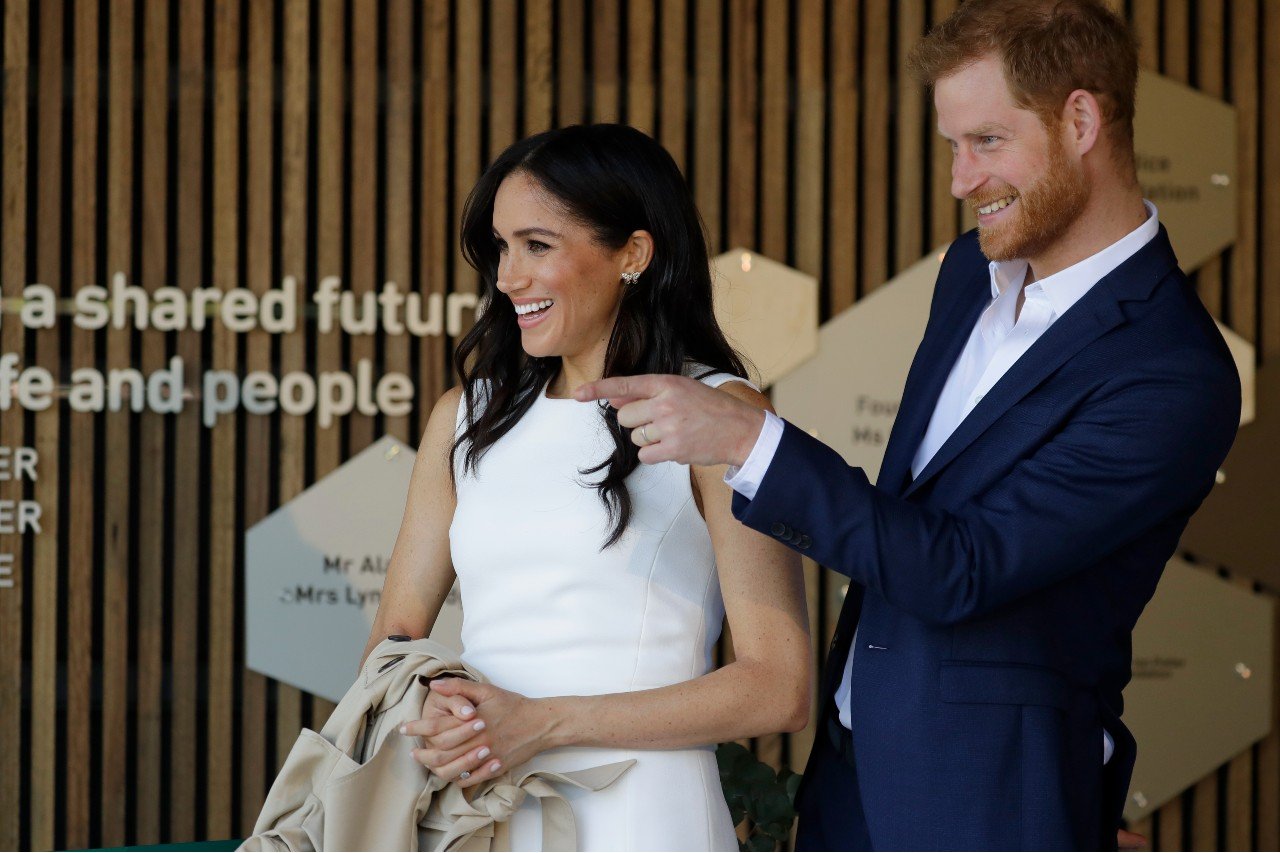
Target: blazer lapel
929 371
1078 328
1097 312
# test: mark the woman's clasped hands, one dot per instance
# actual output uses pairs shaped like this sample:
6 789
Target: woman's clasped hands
470 731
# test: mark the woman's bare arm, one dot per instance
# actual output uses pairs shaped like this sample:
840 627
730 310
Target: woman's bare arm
420 573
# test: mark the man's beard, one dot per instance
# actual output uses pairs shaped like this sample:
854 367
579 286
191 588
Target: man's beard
1045 211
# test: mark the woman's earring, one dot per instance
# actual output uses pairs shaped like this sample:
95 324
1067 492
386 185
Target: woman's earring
630 277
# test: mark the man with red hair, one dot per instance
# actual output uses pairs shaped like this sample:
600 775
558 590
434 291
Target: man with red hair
1064 415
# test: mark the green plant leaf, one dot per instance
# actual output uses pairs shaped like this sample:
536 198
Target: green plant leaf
754 791
792 785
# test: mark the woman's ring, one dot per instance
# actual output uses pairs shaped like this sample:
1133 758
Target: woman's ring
464 775
645 435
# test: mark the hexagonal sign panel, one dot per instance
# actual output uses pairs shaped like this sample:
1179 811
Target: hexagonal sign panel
768 310
1186 148
314 570
848 394
1201 688
1236 525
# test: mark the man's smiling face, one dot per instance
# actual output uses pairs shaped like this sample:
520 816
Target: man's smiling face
1017 175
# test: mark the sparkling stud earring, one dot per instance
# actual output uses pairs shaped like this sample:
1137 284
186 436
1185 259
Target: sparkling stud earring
630 277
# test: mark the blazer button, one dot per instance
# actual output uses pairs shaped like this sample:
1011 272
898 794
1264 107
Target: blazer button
399 638
805 542
778 529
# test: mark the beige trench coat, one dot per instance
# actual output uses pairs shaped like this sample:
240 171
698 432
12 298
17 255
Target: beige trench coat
356 786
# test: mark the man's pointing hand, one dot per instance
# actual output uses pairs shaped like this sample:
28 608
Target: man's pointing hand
674 418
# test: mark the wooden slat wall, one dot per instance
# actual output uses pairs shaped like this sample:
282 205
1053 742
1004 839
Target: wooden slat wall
233 143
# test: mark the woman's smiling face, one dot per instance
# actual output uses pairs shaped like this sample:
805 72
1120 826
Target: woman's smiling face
563 285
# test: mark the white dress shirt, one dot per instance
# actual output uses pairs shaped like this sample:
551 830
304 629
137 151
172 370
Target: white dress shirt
999 338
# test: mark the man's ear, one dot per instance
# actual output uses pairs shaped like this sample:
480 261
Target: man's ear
1082 116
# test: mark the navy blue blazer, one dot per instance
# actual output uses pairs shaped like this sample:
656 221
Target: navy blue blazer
995 594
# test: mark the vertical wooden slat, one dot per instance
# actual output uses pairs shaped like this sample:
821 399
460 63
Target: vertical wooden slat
1268 767
1240 778
538 76
119 426
362 221
1269 268
810 131
606 33
639 50
184 603
673 109
152 568
1175 42
1145 21
221 608
775 124
295 204
875 205
570 57
1204 814
397 199
766 24
1208 34
845 162
744 102
294 207
437 224
14 166
944 212
331 195
81 448
911 146
504 87
807 218
1245 97
1169 819
259 162
466 128
707 122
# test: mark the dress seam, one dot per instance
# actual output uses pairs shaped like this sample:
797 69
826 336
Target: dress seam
648 592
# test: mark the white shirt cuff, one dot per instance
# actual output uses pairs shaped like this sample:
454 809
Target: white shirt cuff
746 480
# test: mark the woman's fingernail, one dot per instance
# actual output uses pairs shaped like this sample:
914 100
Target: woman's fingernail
478 725
468 711
483 754
495 767
404 730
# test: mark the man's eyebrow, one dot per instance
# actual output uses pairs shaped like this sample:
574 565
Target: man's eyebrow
988 129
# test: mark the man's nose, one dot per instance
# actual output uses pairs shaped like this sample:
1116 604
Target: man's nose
965 175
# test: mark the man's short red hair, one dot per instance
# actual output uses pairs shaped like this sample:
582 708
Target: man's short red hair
1049 49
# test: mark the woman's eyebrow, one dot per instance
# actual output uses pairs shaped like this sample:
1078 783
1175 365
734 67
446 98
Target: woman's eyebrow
545 232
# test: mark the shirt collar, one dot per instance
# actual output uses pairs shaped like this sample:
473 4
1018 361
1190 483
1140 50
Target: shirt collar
1065 287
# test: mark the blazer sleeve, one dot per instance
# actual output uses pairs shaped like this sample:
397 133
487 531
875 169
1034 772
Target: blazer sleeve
1143 450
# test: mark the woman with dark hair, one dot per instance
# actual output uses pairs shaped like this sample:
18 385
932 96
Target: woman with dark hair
593 588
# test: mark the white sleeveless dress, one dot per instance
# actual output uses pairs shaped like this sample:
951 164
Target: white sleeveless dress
547 613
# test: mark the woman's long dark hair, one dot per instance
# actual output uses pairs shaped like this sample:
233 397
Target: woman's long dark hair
615 180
